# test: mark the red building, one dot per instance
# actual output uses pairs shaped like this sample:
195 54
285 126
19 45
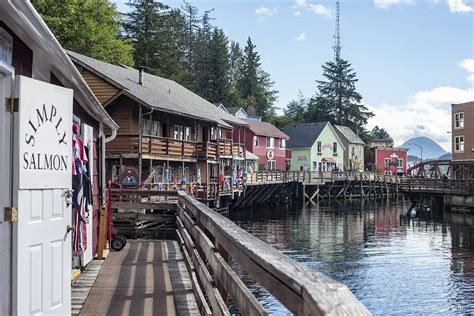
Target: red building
267 142
387 161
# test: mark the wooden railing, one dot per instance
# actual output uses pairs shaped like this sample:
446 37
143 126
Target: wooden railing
124 144
315 177
225 147
162 146
207 150
208 239
238 150
436 186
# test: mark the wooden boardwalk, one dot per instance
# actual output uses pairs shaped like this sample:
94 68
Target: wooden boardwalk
148 277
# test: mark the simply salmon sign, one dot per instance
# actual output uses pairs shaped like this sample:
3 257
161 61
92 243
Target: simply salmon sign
45 134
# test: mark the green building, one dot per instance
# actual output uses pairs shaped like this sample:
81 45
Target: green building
315 147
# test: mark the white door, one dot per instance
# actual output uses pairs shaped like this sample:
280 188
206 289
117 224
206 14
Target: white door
41 237
6 81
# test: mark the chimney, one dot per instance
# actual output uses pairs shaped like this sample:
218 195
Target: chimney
140 75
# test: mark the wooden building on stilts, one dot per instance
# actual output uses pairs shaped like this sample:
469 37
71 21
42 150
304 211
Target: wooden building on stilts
169 137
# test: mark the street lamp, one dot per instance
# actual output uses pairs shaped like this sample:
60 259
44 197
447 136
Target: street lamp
421 149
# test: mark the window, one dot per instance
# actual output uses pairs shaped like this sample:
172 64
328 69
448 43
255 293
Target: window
459 120
319 147
271 165
334 148
459 144
387 162
156 128
213 133
146 127
282 143
315 165
270 142
400 162
178 132
255 140
187 133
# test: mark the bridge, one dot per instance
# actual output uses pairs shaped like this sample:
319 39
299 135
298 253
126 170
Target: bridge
204 242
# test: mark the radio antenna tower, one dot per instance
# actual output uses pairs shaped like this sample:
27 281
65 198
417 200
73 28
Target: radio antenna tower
337 37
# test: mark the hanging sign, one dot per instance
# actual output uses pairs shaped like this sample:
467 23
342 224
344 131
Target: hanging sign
45 118
270 154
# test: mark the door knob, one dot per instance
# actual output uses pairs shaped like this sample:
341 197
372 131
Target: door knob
70 228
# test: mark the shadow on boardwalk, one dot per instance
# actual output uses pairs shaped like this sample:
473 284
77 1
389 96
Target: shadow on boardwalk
147 277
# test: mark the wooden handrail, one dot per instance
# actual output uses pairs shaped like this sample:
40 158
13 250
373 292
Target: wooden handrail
301 290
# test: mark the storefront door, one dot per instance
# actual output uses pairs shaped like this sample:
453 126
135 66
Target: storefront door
41 262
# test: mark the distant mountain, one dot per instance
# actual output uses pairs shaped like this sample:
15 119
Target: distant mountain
447 156
431 150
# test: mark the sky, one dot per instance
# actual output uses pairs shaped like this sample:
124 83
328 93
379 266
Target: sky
413 58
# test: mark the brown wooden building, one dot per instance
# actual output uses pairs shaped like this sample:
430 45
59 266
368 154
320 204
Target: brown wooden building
169 137
463 140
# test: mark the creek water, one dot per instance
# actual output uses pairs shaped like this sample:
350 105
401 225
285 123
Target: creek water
393 263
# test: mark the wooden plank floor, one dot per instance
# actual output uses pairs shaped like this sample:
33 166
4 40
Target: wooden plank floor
81 288
148 277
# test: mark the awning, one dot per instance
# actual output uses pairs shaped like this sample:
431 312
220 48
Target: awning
250 156
329 160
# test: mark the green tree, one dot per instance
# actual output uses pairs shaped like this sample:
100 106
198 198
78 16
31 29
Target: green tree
145 27
254 84
337 99
295 111
219 80
89 27
379 133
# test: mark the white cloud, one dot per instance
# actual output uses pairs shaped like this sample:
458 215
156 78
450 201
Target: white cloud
301 37
459 6
426 113
468 64
384 4
265 11
315 8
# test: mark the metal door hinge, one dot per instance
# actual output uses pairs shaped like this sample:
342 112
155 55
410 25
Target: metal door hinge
11 105
10 214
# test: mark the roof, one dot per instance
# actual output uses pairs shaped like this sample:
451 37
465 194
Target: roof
27 23
156 92
349 134
229 117
265 129
304 135
469 103
232 109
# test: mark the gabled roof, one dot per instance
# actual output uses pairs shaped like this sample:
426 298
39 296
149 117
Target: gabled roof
304 135
349 134
156 92
265 129
229 117
27 23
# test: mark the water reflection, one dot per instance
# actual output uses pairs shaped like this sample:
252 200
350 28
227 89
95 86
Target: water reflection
393 263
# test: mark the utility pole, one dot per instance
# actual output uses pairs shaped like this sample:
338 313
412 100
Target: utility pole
337 37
